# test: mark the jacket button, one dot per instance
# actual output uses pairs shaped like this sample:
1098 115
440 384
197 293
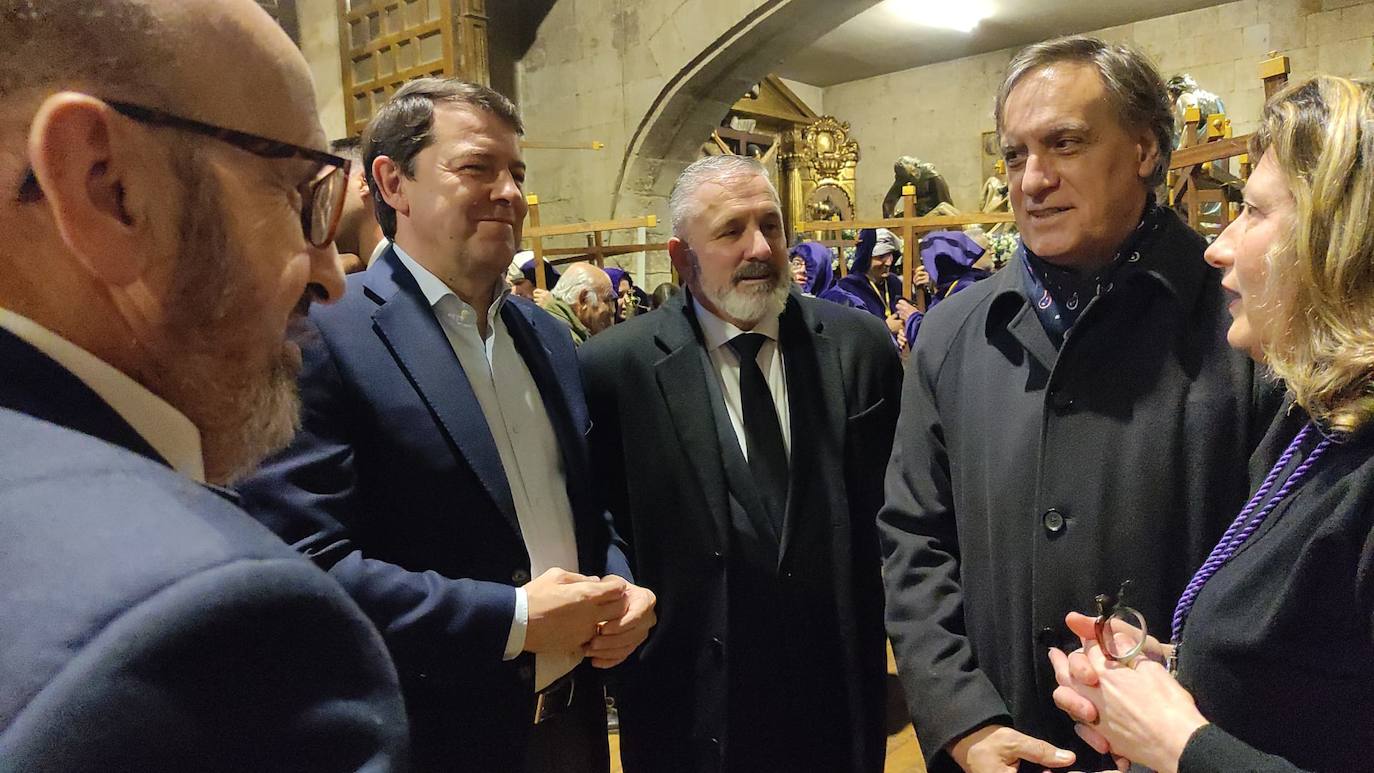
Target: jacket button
717 646
718 557
520 577
1053 521
1046 638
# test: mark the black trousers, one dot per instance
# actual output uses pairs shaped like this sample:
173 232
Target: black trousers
575 741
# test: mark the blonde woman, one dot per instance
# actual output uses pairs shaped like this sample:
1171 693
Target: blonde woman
1274 638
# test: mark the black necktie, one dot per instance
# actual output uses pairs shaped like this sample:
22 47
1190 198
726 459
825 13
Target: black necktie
762 432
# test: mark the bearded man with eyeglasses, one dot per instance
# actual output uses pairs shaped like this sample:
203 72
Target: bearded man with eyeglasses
159 242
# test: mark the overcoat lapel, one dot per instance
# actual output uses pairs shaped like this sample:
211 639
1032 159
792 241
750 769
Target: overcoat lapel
816 404
682 376
407 326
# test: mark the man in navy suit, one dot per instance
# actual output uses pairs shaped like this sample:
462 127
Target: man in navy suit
441 474
154 254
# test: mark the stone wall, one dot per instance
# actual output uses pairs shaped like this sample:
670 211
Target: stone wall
592 73
650 79
319 23
937 112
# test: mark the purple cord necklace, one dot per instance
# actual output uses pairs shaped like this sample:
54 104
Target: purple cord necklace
1245 525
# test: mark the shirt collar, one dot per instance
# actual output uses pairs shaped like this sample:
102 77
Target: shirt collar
717 332
435 290
171 434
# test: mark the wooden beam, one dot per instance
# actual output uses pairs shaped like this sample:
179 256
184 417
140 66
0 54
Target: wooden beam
609 250
536 145
1209 151
909 214
743 137
539 281
926 223
762 111
568 229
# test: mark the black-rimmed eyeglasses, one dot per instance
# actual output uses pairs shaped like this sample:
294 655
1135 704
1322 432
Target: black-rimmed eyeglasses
322 196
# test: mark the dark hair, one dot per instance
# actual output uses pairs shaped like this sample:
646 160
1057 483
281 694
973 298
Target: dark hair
1134 87
401 128
350 148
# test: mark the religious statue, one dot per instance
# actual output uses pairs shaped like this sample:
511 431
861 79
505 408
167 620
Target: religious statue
1185 93
931 188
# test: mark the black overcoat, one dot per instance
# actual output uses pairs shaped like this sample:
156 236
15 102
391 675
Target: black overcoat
675 492
1026 479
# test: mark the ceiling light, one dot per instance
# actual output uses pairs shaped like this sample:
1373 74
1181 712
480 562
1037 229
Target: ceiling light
958 15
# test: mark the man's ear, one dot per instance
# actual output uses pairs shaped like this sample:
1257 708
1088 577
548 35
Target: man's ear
680 254
1148 150
388 176
85 159
364 191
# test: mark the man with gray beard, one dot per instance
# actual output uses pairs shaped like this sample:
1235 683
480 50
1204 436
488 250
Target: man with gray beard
741 433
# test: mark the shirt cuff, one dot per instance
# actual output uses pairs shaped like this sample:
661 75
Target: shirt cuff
515 642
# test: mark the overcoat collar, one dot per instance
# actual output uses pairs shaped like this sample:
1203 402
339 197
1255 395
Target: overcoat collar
1169 260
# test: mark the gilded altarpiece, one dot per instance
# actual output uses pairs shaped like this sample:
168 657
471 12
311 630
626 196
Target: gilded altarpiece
819 169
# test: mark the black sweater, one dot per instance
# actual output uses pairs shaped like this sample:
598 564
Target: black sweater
1279 648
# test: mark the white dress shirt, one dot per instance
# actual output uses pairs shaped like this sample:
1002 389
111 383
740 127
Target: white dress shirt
529 450
718 334
161 426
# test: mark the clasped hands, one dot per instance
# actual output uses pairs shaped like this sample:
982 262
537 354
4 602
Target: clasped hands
603 618
1137 712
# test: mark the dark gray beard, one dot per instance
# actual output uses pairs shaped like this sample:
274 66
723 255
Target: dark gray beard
245 408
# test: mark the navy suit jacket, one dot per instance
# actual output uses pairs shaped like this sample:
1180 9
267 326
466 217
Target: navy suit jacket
147 623
394 484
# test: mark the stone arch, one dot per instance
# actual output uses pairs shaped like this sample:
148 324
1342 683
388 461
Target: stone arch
693 101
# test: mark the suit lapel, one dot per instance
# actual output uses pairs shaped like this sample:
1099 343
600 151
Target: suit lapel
407 326
816 407
682 377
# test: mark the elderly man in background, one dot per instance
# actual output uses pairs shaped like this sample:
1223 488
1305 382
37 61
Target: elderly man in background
583 298
1117 450
164 224
441 473
741 432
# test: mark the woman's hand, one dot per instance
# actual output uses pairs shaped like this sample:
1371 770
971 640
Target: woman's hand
1139 713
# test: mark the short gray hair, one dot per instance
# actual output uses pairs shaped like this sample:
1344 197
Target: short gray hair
573 282
1134 87
711 169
